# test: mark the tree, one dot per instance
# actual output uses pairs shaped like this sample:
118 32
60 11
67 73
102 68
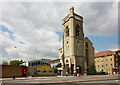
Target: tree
92 69
4 63
16 62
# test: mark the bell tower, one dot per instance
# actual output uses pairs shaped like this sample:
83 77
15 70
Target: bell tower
73 42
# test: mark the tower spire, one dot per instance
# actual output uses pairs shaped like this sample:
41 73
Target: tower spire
71 10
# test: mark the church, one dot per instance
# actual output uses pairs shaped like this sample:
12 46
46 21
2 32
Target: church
77 52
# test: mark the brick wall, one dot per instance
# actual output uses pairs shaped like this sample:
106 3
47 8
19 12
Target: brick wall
9 71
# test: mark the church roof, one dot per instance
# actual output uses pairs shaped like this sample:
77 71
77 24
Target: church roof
54 60
86 38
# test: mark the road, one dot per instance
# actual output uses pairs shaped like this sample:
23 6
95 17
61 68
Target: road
93 80
107 82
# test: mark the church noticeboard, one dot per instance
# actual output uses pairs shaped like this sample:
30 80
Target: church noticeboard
44 68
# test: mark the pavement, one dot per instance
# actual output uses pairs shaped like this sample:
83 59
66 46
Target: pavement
59 79
26 78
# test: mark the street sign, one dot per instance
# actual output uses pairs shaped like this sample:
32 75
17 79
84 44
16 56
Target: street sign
44 68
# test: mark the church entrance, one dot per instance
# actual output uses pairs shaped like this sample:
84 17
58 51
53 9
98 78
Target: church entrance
79 69
72 69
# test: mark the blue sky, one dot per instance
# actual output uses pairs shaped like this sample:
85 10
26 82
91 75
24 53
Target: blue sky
4 29
100 43
11 36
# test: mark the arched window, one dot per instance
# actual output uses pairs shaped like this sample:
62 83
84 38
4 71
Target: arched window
66 61
77 30
86 45
67 31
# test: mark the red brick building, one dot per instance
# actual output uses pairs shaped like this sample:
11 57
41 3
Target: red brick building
10 70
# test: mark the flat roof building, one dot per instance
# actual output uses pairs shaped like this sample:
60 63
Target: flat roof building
40 62
107 61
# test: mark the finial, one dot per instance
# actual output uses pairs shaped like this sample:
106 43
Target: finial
71 7
71 10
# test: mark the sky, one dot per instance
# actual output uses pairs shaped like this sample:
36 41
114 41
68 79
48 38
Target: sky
33 30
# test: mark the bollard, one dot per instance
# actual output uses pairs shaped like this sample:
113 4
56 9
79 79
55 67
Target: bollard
75 74
13 77
79 74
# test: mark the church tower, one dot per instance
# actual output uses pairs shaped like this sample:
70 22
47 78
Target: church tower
73 43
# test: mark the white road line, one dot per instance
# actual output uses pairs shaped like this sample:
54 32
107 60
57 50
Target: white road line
42 79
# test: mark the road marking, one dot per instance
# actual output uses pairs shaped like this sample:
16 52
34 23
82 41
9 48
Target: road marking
117 80
42 79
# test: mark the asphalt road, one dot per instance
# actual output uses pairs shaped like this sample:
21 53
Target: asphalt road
92 80
107 82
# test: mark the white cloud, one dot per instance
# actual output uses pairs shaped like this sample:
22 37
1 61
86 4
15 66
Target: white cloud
100 19
41 40
114 47
36 25
6 34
